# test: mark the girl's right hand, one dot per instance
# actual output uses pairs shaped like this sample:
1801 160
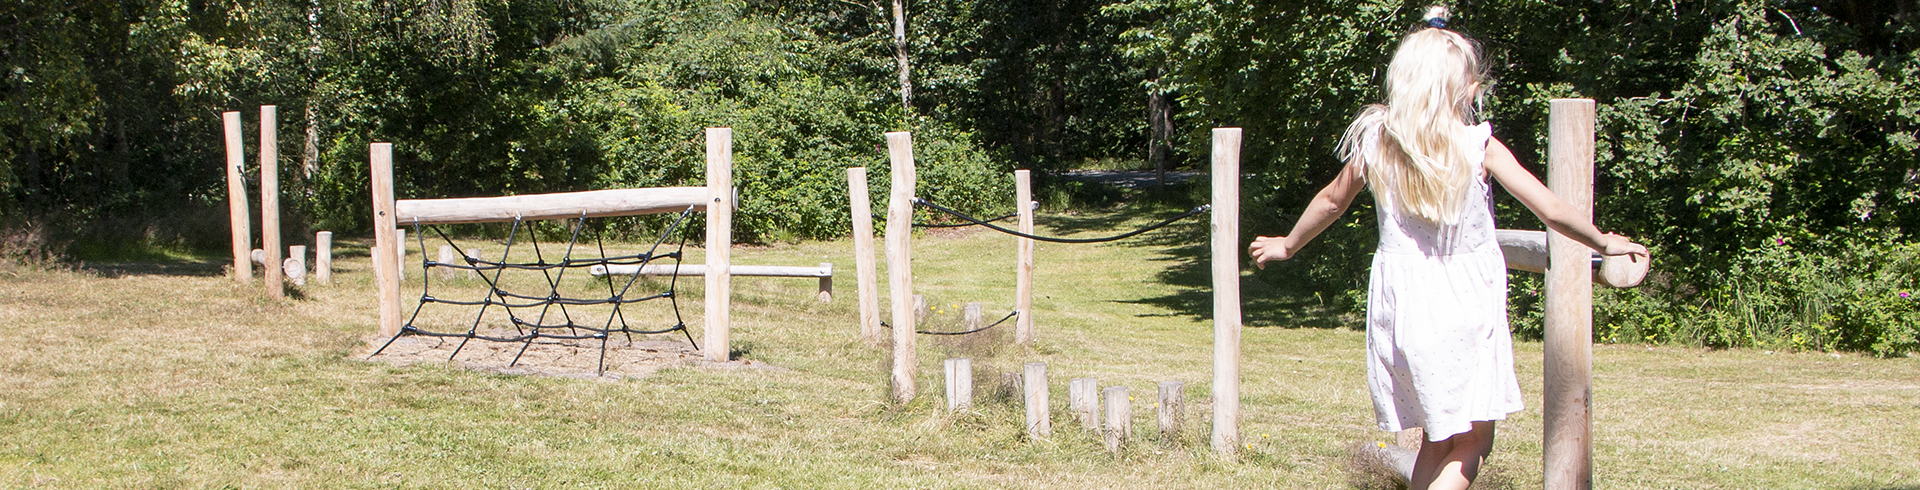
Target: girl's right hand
1267 248
1620 245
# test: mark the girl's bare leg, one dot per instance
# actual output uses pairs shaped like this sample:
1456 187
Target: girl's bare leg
1453 463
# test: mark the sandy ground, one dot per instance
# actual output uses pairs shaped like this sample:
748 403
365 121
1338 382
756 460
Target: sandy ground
636 358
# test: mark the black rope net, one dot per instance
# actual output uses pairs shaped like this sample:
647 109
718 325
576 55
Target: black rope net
528 293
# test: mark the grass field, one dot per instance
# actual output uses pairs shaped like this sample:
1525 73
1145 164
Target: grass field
166 375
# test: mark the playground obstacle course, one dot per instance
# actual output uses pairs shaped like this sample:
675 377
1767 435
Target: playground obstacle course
276 268
1569 266
716 199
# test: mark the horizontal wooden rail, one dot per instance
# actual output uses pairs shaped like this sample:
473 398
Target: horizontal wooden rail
594 204
1527 250
824 272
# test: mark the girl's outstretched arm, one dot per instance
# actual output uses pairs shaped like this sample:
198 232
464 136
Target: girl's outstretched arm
1327 206
1556 213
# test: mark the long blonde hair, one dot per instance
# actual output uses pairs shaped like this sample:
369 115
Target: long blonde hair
1414 153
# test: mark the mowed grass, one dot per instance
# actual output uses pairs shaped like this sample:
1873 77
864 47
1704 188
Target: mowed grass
169 376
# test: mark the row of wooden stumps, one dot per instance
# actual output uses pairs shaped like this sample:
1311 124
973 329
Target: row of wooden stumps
1085 401
278 270
899 253
1569 290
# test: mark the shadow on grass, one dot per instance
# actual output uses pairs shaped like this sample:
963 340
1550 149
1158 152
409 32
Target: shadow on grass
170 267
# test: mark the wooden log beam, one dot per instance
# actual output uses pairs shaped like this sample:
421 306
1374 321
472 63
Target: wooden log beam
1567 397
564 205
900 264
1226 291
238 212
1527 250
719 199
386 261
823 270
867 279
270 200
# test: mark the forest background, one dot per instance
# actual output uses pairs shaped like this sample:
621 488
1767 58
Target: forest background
1765 150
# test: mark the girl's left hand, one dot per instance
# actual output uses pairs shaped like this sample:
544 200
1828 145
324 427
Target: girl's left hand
1267 248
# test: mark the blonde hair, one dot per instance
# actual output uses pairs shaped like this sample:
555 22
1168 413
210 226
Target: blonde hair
1411 144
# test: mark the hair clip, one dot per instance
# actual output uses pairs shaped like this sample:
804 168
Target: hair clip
1437 22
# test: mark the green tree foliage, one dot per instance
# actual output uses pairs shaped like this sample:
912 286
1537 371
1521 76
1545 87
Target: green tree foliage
1729 130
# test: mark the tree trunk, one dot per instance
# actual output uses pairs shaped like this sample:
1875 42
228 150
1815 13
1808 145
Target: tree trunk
900 55
1160 127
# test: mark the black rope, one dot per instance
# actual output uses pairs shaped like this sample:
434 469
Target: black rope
1003 319
883 219
1122 236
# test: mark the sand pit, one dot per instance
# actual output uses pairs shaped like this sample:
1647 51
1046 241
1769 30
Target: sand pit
637 358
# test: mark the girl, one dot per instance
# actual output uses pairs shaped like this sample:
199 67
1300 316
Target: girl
1439 353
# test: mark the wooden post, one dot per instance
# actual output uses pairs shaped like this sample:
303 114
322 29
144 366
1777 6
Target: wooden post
719 242
270 199
959 384
1023 247
296 265
920 310
446 257
1083 395
971 318
1226 290
900 262
386 268
400 254
237 208
1172 409
323 257
1568 371
826 284
863 263
1119 417
1034 382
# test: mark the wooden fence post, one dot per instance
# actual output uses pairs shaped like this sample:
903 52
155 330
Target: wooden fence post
1568 371
323 257
959 384
1039 417
1226 290
270 199
1023 247
719 243
1083 395
1119 417
900 263
386 262
1172 409
867 274
296 265
237 209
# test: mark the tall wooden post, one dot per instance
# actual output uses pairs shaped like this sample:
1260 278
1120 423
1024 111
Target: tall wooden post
1023 273
237 208
1568 373
1226 290
867 277
270 199
719 242
386 264
900 263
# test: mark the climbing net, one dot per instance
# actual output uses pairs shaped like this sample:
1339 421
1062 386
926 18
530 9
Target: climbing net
524 296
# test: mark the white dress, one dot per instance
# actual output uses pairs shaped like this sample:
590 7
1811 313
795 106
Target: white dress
1439 355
